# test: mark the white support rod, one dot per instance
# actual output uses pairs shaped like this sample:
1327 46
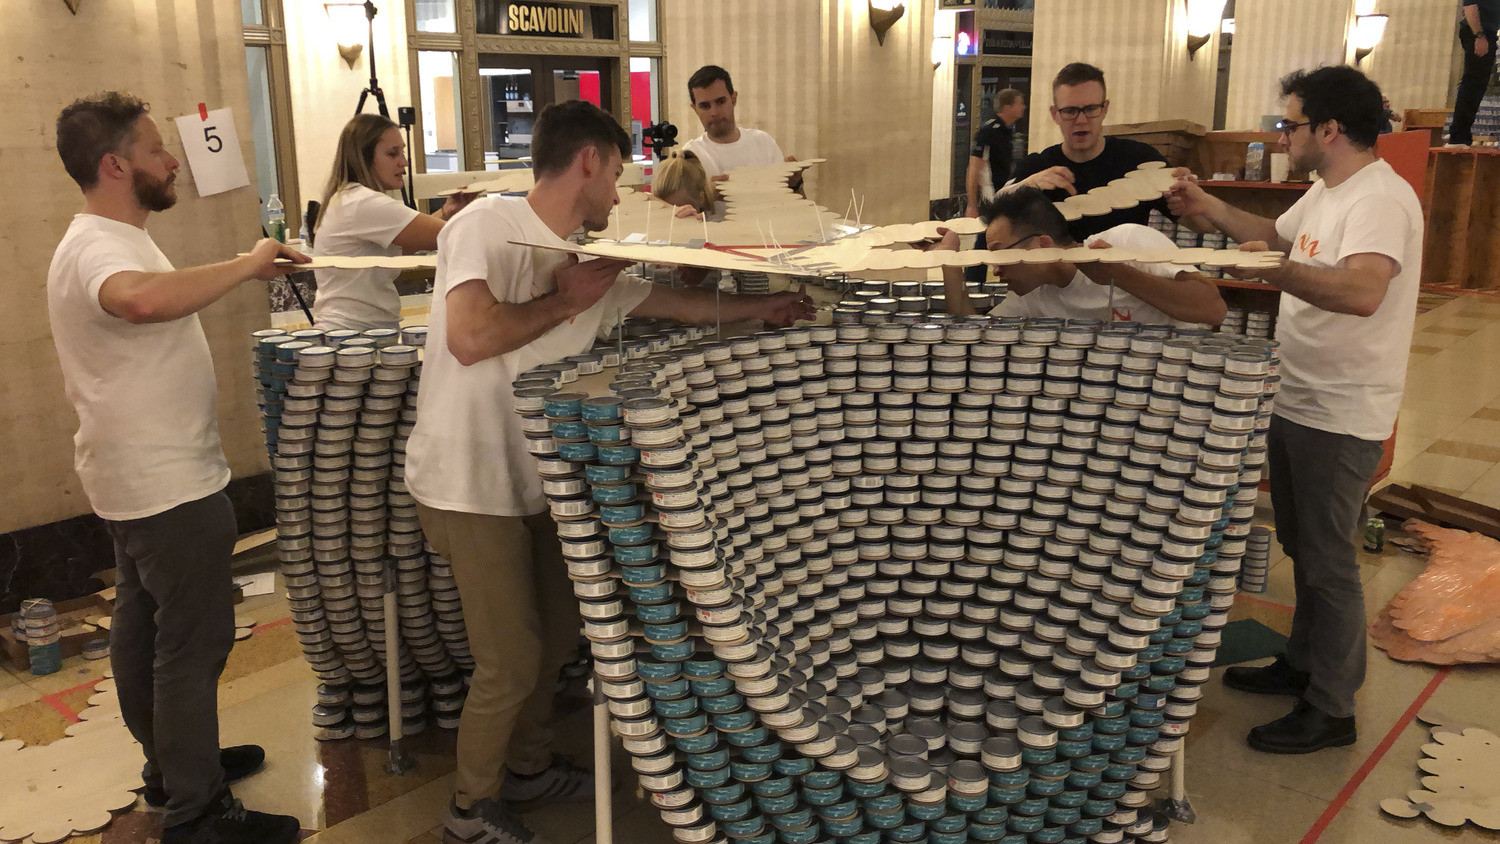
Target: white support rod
392 664
604 819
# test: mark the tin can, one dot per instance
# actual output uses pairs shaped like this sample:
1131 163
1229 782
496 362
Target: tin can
1375 535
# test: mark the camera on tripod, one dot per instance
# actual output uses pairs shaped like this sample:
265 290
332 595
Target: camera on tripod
660 137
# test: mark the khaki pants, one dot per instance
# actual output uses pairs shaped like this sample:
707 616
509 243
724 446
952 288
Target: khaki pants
523 626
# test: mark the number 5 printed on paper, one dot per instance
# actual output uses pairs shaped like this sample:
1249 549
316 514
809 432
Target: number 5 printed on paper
213 151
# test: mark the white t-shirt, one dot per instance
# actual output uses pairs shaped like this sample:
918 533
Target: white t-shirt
1085 299
1343 373
468 452
753 147
359 222
147 401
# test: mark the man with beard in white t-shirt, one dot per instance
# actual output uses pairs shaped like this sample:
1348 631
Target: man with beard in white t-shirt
136 367
724 144
1348 305
499 309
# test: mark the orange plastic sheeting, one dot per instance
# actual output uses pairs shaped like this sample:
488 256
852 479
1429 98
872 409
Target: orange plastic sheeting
1451 612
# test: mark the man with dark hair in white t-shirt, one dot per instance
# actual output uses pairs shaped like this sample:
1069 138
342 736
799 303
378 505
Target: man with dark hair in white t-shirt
1348 305
1025 218
499 309
724 144
136 366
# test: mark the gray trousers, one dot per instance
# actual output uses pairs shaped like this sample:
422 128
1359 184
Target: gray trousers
1318 485
172 630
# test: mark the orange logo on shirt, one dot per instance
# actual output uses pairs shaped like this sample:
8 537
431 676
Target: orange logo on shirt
1117 315
1307 246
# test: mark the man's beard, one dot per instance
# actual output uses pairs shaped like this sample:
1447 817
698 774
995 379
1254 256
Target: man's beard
153 195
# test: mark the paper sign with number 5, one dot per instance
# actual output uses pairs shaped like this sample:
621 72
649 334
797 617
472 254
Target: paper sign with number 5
213 151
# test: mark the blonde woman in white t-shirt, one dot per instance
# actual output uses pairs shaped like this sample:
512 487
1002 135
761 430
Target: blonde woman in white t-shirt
359 219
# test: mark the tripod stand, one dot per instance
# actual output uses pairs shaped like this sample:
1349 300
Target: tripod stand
408 194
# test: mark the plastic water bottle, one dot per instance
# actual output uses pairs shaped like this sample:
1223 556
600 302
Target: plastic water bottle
1254 162
276 218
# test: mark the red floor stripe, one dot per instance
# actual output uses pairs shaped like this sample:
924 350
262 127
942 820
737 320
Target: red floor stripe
272 624
1321 824
63 709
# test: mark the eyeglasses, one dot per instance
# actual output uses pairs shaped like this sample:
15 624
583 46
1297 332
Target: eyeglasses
1090 111
1287 127
1019 242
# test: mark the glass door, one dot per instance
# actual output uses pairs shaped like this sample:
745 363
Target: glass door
515 89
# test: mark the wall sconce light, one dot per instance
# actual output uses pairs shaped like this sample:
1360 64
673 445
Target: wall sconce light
1203 20
883 16
1368 30
942 49
347 21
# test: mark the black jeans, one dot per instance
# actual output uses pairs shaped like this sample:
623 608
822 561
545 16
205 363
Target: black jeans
1318 485
1471 86
172 630
979 272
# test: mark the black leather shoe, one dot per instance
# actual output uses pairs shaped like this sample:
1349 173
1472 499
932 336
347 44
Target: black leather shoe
228 822
1305 729
1278 678
239 762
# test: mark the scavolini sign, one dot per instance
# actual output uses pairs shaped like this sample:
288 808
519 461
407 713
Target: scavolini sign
548 20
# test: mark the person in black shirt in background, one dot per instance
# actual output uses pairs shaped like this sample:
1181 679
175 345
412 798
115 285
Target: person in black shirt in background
1476 32
993 145
1086 158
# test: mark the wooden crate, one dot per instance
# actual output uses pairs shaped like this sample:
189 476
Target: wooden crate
1461 247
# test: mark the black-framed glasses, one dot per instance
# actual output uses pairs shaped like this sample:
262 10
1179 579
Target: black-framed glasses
1072 112
1287 127
1019 242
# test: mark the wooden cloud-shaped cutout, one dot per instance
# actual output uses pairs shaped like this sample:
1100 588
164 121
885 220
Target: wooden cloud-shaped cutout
1463 785
73 785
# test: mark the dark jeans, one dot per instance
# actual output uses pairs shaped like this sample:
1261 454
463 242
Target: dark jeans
172 630
1318 485
1471 86
977 273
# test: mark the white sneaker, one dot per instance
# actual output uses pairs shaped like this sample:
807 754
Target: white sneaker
562 782
486 822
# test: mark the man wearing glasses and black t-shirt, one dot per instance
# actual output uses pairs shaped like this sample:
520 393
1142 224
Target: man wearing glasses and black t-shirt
1085 159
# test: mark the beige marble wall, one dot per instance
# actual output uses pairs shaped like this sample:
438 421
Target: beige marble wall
1273 38
1417 62
811 73
1141 45
175 54
325 89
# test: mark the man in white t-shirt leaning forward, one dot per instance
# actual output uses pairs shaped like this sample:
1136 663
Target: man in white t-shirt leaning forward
1348 304
1024 218
136 367
724 144
499 309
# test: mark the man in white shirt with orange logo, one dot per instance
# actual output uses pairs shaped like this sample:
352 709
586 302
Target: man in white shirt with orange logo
1348 305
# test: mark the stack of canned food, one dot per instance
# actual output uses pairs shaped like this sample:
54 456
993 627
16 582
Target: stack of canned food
1257 324
911 301
950 581
338 407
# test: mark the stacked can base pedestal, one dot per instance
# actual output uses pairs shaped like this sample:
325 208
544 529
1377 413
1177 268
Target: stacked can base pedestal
338 407
943 581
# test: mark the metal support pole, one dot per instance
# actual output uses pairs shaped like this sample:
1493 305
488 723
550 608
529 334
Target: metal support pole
604 819
399 762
